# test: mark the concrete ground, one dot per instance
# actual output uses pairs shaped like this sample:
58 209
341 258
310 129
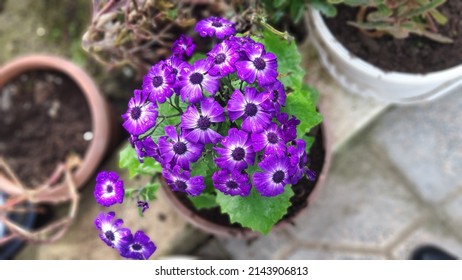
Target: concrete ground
395 184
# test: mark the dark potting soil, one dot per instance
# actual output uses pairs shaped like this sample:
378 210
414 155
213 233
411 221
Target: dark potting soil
414 54
43 118
301 190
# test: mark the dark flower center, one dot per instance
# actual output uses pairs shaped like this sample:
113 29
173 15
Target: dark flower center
278 176
136 247
251 109
109 235
204 123
175 71
157 81
231 185
196 78
259 63
217 24
220 58
181 185
135 113
273 138
179 148
276 95
238 154
109 188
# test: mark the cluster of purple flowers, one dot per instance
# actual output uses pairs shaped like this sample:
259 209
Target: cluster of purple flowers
235 87
109 190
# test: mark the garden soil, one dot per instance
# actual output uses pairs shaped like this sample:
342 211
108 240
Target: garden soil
414 54
43 119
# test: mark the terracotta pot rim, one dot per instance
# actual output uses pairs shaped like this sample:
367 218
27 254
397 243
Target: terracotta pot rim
100 114
224 231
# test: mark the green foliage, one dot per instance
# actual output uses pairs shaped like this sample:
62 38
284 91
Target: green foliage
204 201
399 18
149 191
299 104
254 211
277 8
289 59
301 99
128 159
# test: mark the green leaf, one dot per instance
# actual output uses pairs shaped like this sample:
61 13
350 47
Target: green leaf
205 167
297 9
197 56
279 3
309 142
128 159
254 211
300 104
326 8
204 201
149 191
290 72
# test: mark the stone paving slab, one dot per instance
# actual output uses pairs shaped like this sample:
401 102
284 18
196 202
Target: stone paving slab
271 246
170 232
432 232
452 211
425 143
320 254
346 113
363 205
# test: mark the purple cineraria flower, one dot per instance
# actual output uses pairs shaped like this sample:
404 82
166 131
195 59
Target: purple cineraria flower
145 147
260 65
237 153
219 27
141 114
297 159
158 82
139 248
251 107
144 205
111 233
275 175
195 78
109 189
176 64
232 183
183 182
288 126
270 140
183 46
178 151
277 95
223 57
197 126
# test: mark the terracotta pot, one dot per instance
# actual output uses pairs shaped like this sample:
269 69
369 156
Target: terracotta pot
225 231
101 115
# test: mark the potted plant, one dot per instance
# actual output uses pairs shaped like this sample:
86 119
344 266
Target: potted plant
138 33
397 51
234 129
50 101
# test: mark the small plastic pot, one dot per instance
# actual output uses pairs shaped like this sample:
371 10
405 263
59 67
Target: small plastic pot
360 77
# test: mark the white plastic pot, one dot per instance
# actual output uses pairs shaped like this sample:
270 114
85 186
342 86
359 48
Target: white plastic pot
360 77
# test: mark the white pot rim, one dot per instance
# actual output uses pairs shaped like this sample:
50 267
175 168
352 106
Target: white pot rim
363 66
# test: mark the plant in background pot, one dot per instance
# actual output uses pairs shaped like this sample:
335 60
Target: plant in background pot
398 51
228 132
